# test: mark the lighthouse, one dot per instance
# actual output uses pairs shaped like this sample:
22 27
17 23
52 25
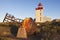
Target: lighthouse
39 13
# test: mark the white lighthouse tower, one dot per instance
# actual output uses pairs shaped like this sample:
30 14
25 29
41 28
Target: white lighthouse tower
39 13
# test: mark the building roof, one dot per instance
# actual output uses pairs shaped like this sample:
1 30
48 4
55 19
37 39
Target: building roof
39 6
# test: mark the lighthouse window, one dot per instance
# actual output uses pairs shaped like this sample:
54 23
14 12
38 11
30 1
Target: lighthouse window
40 18
40 13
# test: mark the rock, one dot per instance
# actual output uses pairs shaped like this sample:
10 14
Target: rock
21 33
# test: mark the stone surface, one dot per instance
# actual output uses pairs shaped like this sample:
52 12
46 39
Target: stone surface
21 33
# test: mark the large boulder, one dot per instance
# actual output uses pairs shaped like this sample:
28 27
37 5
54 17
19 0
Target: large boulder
29 25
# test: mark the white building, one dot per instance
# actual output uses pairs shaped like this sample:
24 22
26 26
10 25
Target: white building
47 19
40 16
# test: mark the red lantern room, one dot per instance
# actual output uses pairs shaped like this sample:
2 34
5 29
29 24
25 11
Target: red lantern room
39 6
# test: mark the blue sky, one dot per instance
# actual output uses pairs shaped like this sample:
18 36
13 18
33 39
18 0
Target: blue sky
26 8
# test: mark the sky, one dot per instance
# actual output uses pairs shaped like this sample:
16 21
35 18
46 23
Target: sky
26 8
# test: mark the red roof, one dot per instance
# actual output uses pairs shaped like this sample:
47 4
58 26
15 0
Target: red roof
39 6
